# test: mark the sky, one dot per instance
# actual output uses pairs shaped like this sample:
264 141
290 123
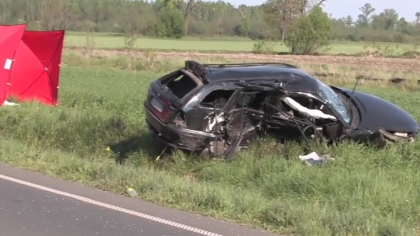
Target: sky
343 8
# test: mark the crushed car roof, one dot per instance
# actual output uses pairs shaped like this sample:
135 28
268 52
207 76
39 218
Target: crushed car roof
252 72
296 78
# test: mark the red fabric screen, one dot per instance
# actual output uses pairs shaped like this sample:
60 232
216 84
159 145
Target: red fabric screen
36 71
10 37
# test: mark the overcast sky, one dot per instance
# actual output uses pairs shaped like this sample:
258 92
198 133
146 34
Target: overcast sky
342 8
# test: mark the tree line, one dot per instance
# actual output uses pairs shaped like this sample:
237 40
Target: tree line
274 19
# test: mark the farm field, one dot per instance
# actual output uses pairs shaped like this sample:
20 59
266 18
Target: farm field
103 41
337 69
363 192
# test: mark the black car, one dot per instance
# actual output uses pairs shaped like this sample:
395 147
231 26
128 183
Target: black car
220 108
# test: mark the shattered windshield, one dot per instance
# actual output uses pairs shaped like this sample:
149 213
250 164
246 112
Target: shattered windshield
333 101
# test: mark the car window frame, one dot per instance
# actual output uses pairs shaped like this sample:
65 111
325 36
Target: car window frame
212 89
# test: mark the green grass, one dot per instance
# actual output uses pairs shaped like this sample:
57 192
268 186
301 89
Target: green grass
364 192
185 38
106 41
149 61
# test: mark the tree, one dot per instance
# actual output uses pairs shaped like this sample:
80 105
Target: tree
53 14
186 9
281 14
366 16
389 18
270 21
403 26
310 32
385 20
243 27
348 21
170 24
417 23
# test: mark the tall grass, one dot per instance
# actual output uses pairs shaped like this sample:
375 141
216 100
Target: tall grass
363 192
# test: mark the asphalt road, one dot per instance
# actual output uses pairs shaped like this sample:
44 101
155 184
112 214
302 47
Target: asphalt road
32 204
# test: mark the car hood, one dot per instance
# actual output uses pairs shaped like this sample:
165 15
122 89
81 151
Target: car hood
378 113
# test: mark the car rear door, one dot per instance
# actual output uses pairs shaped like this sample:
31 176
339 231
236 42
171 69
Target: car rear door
167 94
210 102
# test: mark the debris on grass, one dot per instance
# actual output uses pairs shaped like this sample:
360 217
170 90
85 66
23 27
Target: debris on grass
132 192
7 103
314 159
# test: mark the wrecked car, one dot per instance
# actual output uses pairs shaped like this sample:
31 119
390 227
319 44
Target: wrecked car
218 109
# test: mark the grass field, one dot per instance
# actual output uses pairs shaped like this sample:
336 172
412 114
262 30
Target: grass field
102 41
340 69
364 192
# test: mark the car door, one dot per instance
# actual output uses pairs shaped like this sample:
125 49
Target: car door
210 102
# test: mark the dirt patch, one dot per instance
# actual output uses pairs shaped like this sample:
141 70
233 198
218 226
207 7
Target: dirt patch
362 62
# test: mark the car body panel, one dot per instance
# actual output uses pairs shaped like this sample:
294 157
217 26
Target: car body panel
188 125
378 113
177 137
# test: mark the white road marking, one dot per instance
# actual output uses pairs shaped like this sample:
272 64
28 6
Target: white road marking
112 207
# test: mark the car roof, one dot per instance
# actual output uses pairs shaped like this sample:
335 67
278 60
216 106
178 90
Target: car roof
251 72
297 79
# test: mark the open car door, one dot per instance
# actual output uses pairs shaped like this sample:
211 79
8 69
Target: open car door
241 128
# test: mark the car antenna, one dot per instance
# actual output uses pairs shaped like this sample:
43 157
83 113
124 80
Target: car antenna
351 98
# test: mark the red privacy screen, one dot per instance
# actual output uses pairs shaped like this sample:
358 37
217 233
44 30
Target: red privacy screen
10 37
35 71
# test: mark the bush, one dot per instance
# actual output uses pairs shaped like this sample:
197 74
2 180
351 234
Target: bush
169 24
264 47
310 33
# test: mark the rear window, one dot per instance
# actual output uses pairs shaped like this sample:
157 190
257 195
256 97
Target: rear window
179 84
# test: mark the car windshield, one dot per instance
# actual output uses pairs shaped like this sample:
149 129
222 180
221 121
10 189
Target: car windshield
333 101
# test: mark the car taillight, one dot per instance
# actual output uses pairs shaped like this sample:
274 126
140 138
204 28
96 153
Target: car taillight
161 107
159 111
163 116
